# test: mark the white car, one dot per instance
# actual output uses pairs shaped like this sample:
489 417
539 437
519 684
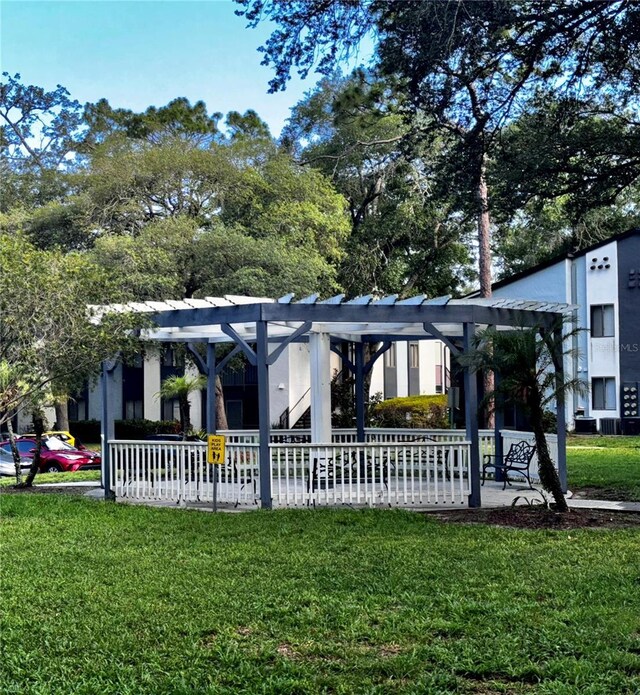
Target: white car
7 466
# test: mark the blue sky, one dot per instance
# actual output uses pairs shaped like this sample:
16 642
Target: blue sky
141 53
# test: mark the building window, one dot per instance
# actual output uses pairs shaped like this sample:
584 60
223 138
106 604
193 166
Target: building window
439 380
602 321
172 358
77 409
414 355
390 356
133 410
603 393
170 409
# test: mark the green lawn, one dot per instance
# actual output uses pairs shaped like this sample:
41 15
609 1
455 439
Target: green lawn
75 477
105 598
610 464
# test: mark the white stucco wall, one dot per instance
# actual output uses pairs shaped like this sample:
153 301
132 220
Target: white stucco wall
602 288
549 284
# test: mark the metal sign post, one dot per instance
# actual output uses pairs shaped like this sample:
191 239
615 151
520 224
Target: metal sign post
215 457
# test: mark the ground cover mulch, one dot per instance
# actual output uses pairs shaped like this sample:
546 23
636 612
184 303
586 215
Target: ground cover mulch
538 517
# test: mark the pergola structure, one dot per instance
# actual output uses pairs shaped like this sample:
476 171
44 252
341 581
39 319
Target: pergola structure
262 328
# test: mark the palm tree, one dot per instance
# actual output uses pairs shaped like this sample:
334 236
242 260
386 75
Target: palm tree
181 387
527 360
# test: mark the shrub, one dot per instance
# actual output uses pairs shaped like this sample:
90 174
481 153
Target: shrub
89 430
412 411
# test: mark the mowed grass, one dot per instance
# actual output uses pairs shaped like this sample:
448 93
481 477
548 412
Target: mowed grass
105 598
42 478
610 464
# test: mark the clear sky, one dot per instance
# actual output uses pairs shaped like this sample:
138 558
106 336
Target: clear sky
143 53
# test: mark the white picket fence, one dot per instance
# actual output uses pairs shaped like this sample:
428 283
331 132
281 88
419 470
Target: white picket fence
510 437
302 474
392 468
409 474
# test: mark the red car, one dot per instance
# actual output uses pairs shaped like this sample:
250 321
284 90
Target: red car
56 455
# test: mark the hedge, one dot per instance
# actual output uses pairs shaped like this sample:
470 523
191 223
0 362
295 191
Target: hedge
89 430
413 411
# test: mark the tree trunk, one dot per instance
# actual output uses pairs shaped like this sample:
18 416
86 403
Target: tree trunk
185 415
548 474
484 265
15 452
484 229
221 413
38 428
62 414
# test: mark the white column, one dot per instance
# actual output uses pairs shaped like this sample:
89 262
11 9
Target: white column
151 406
320 347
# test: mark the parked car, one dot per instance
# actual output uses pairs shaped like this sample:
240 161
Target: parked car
60 434
56 455
7 466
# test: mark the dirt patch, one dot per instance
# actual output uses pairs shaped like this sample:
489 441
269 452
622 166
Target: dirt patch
389 650
601 493
40 490
541 518
287 651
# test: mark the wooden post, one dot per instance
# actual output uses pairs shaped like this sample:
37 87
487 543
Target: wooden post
471 419
262 364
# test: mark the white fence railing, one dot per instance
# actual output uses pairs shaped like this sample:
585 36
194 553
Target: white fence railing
510 437
370 474
302 474
393 467
178 472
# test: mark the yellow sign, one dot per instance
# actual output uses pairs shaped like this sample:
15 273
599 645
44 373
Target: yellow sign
215 449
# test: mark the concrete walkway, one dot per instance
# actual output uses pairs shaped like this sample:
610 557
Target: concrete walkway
493 496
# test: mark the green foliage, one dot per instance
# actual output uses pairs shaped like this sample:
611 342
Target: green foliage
412 411
401 217
343 403
309 601
48 336
178 119
140 428
89 430
180 387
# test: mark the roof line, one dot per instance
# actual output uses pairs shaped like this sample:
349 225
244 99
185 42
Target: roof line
557 259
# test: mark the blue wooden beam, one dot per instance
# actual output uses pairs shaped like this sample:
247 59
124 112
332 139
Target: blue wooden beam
239 340
107 424
471 419
359 374
199 361
430 328
373 359
301 330
227 358
262 354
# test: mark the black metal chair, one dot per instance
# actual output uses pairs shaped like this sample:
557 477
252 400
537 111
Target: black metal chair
518 459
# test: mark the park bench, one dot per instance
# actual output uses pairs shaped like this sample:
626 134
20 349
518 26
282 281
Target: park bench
518 459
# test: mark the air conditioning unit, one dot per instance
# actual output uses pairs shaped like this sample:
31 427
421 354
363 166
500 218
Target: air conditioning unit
631 426
586 425
609 425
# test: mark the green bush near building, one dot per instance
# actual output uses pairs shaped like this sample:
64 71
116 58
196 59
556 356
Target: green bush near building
89 430
412 411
